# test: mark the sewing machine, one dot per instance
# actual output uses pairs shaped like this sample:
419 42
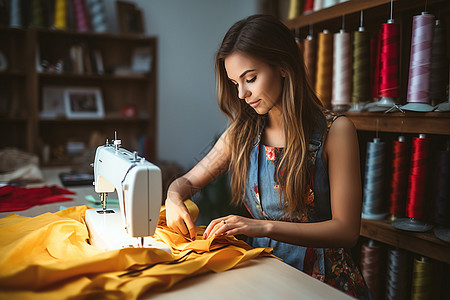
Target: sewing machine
139 189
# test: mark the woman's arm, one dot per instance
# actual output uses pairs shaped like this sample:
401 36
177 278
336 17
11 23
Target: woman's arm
209 168
342 153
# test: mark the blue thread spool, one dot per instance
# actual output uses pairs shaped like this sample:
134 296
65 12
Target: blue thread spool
374 181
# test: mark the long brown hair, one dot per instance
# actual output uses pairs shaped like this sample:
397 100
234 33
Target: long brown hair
267 39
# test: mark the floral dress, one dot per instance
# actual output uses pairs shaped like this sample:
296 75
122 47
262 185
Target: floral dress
333 266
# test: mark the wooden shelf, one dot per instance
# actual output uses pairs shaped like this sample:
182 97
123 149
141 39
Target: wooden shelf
335 11
409 122
354 6
421 243
103 120
106 77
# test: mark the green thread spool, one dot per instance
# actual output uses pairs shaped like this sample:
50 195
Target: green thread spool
361 67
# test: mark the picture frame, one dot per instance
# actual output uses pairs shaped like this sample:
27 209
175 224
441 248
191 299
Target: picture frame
52 102
83 103
130 18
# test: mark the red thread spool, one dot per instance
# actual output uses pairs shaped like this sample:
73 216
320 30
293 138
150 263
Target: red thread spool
417 178
389 60
399 182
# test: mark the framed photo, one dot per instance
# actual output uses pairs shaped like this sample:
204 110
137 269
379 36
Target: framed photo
130 17
83 103
52 102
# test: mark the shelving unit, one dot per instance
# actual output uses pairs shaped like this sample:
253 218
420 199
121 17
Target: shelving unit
23 82
368 123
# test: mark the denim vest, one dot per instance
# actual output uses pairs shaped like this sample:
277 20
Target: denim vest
262 199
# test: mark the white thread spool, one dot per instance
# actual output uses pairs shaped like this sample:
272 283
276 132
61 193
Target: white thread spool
342 71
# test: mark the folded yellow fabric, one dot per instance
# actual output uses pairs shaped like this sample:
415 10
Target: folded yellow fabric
49 255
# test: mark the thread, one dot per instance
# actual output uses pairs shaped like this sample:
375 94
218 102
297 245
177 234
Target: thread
375 50
442 211
374 183
397 274
415 206
361 66
419 67
324 70
97 12
81 19
37 13
422 279
399 182
60 20
389 56
371 263
309 7
342 69
318 5
15 14
309 54
329 3
439 65
294 9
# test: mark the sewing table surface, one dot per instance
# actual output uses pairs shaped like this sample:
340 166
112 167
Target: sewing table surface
260 278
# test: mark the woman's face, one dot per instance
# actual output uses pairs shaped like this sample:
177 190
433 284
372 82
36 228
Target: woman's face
258 83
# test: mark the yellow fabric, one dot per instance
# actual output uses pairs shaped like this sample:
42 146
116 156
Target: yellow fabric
49 256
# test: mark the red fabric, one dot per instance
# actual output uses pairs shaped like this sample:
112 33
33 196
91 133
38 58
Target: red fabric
14 198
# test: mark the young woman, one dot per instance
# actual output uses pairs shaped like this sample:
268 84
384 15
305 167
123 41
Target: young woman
294 165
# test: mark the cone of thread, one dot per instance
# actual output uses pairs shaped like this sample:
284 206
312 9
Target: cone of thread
361 67
420 59
342 70
60 20
324 70
439 65
309 54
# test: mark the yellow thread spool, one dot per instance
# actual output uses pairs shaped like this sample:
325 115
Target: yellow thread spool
60 21
324 75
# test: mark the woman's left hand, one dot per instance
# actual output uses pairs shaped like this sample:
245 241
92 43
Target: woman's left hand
235 225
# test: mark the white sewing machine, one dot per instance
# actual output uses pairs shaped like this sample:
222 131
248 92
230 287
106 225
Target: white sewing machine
139 189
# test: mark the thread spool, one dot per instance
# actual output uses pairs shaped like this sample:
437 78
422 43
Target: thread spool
294 9
309 54
318 5
97 12
439 65
361 69
37 13
399 181
371 263
341 72
420 61
309 7
388 85
324 70
415 204
329 3
444 106
60 20
15 14
374 192
422 279
442 198
397 274
81 19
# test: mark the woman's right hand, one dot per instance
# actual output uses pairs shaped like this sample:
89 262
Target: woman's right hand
178 217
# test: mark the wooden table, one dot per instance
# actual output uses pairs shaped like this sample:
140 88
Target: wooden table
261 278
